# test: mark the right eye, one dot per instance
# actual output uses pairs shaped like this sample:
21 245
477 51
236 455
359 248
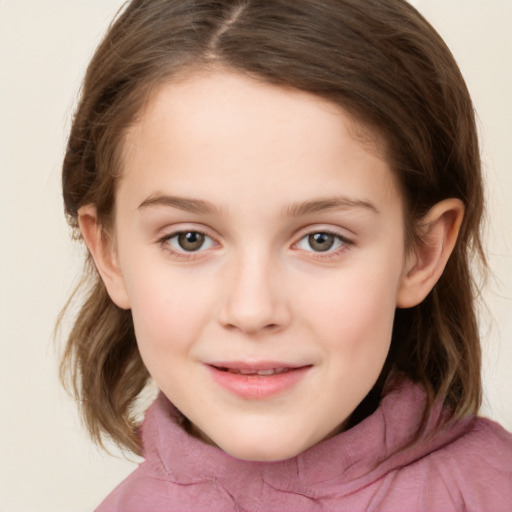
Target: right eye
189 241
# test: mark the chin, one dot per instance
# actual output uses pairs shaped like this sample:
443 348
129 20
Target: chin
250 448
263 449
261 437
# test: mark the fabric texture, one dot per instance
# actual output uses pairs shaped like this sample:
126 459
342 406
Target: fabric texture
371 467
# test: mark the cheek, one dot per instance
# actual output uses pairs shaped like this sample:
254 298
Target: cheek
354 314
355 301
168 312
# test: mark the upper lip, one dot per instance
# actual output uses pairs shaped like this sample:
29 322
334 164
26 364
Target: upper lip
254 366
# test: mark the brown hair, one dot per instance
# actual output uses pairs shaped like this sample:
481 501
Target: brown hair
382 62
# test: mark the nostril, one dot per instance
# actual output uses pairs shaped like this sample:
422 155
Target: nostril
249 328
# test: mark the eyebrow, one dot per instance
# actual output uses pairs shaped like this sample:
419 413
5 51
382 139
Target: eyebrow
329 203
182 203
200 206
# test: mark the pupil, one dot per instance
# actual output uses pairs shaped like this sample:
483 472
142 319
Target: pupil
191 241
321 241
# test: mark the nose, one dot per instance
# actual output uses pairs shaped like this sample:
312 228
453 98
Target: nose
255 297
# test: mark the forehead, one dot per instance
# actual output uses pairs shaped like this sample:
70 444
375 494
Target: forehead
206 93
211 132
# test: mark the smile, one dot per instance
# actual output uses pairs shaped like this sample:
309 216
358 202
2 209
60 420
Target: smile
257 381
272 371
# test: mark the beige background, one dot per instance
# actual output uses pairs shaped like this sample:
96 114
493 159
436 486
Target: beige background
47 462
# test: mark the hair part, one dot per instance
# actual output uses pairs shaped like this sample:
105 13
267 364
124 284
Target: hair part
379 60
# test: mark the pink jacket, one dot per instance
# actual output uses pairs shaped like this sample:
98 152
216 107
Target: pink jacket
467 467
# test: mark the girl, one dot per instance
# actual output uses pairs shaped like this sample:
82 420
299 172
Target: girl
281 202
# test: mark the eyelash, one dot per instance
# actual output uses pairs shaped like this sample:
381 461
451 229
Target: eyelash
329 254
345 245
164 242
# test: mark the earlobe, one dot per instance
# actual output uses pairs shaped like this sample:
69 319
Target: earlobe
423 267
104 255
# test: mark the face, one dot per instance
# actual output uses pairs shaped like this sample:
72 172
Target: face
260 248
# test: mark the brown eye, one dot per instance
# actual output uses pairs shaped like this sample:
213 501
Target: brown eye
187 242
321 242
191 241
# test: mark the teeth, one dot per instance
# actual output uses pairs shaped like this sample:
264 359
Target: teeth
272 371
267 372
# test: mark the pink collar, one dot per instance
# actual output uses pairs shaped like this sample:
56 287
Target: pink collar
346 462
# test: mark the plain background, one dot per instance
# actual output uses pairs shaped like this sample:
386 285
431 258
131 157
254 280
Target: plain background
47 461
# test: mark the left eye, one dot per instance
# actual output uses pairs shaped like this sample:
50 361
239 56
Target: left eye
190 241
320 242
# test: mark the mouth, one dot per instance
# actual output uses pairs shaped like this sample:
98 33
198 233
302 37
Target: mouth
259 380
264 373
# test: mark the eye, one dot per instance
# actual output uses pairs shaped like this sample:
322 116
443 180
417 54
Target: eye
321 242
189 241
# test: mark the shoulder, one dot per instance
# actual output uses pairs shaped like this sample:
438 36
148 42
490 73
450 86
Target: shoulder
151 488
143 488
485 440
481 463
485 448
473 471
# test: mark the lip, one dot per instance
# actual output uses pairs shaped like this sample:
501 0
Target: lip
254 386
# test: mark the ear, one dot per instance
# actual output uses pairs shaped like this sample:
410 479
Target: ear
423 267
103 251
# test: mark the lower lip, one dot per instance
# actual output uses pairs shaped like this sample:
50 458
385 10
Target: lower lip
258 386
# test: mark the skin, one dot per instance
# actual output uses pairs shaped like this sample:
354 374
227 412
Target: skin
257 169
